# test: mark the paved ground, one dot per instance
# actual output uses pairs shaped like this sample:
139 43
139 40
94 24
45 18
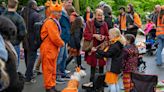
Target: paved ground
38 87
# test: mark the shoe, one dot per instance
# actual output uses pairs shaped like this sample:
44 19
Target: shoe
67 71
65 78
82 68
60 81
88 85
55 90
32 81
52 90
37 72
162 81
159 64
105 85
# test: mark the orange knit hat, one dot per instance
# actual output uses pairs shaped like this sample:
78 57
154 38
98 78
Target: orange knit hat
54 7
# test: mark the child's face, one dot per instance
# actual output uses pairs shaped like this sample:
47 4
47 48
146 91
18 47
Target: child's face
111 35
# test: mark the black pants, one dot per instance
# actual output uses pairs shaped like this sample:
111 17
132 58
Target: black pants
93 72
78 60
31 58
25 57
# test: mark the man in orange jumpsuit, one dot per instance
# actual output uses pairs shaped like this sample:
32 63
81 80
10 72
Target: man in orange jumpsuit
50 46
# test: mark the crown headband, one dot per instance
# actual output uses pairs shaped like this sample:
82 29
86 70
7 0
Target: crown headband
54 7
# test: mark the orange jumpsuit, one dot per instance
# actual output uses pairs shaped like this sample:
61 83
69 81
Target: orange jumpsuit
49 51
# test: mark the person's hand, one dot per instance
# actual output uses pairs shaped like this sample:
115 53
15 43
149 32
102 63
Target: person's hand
102 37
93 49
95 35
99 37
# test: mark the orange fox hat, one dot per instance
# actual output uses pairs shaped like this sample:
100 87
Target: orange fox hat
54 7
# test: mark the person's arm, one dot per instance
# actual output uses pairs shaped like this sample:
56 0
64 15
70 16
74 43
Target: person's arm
21 29
88 35
53 33
65 28
110 53
137 20
106 32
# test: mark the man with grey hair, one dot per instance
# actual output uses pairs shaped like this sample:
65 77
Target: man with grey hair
154 15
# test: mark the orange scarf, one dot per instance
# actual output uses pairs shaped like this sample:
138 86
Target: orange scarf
114 40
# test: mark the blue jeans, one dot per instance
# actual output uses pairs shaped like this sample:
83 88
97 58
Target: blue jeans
31 58
160 40
61 62
17 49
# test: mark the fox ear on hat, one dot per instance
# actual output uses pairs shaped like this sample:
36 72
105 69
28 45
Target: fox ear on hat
57 6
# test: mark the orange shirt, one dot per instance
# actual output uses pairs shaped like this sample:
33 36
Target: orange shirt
123 22
137 20
87 16
160 26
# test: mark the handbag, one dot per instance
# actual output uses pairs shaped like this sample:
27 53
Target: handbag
87 45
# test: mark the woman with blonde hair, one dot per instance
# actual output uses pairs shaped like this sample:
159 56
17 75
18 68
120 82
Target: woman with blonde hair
117 41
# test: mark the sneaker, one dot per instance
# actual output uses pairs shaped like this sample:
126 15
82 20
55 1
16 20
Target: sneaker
60 81
32 81
159 64
67 71
65 77
89 84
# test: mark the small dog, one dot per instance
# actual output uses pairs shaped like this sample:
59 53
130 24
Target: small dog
73 84
4 78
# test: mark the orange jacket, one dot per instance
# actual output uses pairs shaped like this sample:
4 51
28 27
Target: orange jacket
160 26
122 20
137 20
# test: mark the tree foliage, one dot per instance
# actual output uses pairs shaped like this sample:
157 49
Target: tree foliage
141 6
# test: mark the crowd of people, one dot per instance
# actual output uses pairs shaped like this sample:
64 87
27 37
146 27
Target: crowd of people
62 30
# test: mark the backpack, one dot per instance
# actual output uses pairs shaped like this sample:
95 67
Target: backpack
37 33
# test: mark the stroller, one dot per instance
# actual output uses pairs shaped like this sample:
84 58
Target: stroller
151 42
144 83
